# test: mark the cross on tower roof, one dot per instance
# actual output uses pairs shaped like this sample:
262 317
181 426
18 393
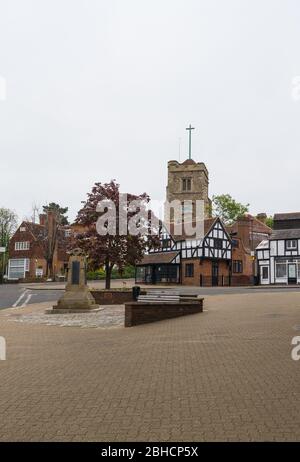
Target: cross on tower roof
190 128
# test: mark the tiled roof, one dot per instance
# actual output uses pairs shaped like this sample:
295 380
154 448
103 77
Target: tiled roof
287 216
35 228
158 258
285 234
258 226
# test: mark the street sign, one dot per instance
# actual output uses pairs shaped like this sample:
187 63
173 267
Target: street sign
2 249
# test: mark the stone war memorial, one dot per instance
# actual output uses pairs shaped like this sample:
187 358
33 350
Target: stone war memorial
77 296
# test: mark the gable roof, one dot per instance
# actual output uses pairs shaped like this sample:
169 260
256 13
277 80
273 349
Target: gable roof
34 228
208 225
258 226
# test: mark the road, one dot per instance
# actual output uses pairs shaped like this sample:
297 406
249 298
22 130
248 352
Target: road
18 295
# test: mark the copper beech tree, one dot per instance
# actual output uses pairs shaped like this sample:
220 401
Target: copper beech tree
115 249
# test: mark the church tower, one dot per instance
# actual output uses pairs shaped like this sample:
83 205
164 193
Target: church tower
189 181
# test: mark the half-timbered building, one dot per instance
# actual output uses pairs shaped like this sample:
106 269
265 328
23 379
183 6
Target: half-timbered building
278 259
247 233
189 261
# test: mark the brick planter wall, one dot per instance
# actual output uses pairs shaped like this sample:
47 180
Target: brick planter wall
141 313
241 280
112 297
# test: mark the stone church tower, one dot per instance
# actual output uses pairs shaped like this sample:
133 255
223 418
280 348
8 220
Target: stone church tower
188 181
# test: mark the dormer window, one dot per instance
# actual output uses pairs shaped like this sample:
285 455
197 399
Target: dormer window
186 184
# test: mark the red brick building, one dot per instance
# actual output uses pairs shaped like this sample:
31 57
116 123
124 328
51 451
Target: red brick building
246 234
27 250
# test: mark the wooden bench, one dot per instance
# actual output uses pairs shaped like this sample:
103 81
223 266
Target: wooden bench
166 296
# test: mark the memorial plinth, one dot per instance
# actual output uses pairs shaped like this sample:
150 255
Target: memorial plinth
77 296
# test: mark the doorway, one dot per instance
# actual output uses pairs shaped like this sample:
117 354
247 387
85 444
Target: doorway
264 275
215 273
292 273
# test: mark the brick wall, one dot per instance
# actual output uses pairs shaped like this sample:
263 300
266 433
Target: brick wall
204 268
241 280
137 313
112 297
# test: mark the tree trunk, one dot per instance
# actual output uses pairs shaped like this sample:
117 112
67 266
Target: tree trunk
107 275
49 269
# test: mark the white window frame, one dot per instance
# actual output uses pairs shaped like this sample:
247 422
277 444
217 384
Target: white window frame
22 245
284 263
22 263
291 247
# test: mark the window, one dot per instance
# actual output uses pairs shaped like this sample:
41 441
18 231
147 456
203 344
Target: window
189 270
291 244
167 273
281 270
218 244
186 184
166 243
265 272
22 245
17 268
237 266
68 232
235 243
22 229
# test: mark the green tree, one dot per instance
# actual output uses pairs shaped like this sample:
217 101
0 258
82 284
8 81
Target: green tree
8 225
60 212
270 222
227 208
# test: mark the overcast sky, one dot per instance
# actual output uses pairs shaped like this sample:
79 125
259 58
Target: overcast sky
99 89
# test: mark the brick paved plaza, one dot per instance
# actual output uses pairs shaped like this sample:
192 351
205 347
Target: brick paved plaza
225 374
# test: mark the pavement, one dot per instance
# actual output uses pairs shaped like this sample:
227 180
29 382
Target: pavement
222 375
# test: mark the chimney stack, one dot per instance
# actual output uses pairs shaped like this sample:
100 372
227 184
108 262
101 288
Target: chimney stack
42 219
262 217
